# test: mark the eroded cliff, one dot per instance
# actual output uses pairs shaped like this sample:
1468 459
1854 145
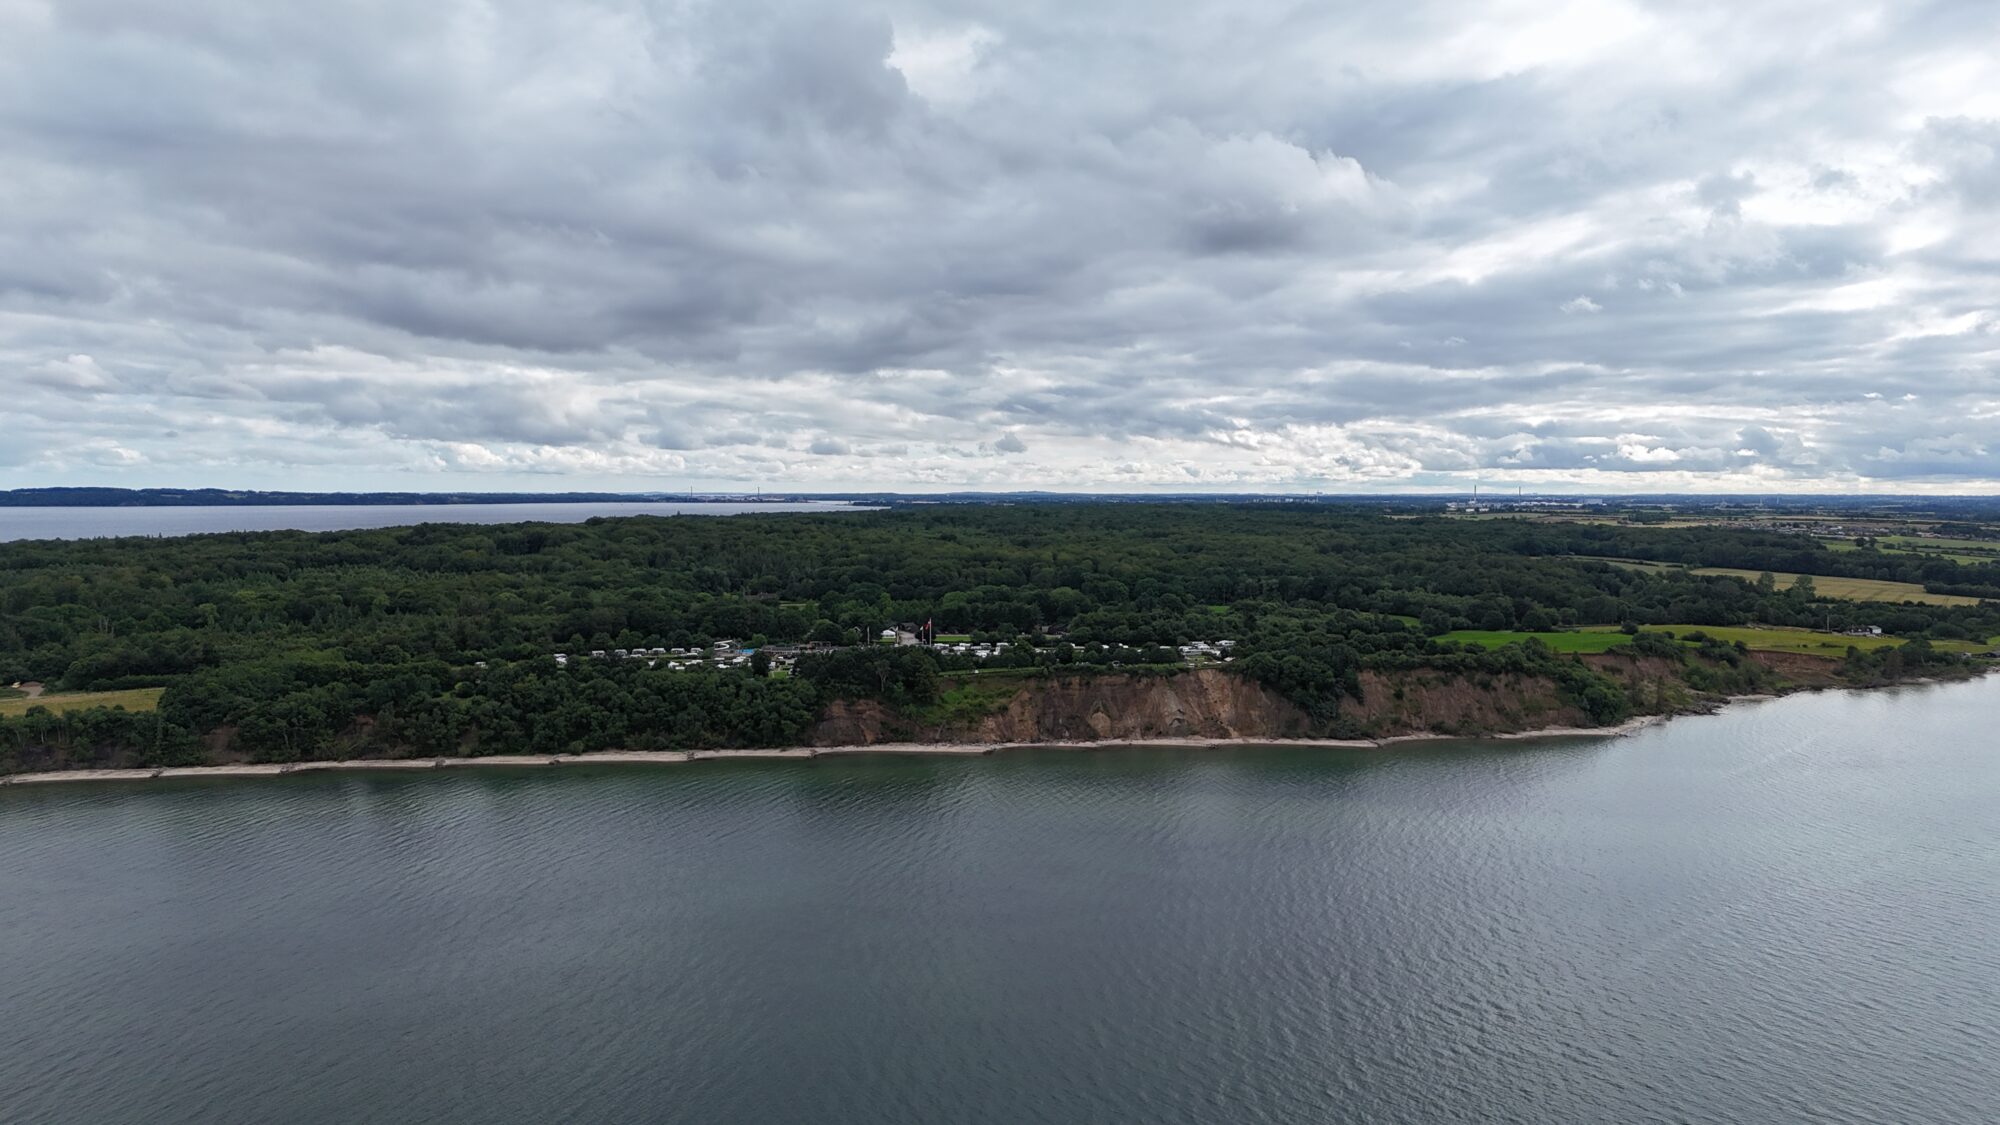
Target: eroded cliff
1210 703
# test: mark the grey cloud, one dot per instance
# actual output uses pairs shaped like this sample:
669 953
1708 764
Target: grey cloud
723 242
75 374
1968 151
1757 440
1723 194
674 435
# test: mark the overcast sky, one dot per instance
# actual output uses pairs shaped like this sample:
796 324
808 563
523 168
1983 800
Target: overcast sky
1012 244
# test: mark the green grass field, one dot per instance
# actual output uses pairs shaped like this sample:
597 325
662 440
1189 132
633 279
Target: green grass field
1561 642
1852 589
1981 546
1964 560
137 699
1795 640
1603 638
1924 552
1849 589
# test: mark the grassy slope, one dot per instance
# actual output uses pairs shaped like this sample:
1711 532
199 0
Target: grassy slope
137 699
967 700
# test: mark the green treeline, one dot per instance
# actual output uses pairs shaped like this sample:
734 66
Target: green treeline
438 639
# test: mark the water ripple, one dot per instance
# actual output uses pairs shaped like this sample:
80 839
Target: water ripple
1782 912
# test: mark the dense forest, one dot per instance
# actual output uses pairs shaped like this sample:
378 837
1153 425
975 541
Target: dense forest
440 638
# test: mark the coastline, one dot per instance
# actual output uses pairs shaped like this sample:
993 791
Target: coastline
793 753
903 749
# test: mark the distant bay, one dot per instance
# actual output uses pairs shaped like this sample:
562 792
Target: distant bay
97 523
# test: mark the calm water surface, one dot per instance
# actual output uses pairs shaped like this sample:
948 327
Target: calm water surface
1787 912
91 523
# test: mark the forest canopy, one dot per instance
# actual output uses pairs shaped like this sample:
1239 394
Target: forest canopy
441 638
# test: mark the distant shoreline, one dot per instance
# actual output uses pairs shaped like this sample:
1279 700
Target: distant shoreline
790 753
251 498
110 522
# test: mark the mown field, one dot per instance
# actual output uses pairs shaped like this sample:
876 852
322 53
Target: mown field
1852 589
1592 641
1913 549
1800 640
137 699
1926 543
1603 638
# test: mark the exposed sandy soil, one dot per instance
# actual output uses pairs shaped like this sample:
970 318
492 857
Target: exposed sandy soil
1212 704
1426 702
1206 703
1802 669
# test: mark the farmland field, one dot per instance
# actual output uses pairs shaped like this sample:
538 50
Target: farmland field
1603 638
1925 548
1853 589
1794 640
1561 642
1925 543
136 699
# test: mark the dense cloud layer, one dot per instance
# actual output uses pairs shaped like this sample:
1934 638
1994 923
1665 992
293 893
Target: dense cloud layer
1026 244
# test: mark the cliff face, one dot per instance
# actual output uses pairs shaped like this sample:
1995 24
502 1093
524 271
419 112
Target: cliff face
1210 703
1426 702
853 722
1198 704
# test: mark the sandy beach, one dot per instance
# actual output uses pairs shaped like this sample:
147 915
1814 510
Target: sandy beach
789 753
